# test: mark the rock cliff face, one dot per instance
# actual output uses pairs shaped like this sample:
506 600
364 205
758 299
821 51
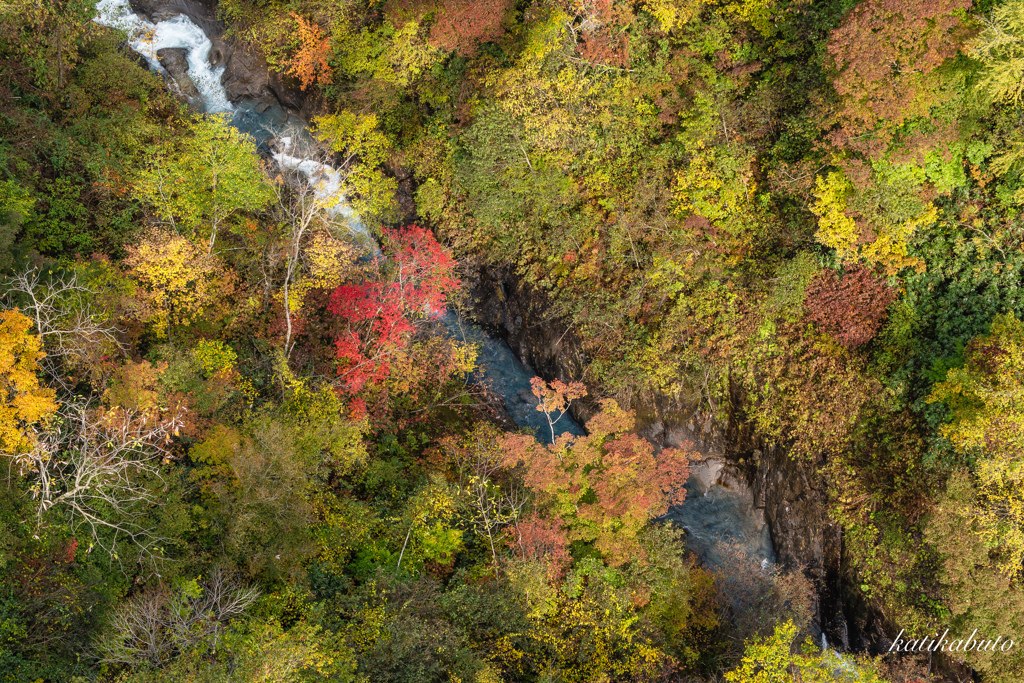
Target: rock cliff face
246 76
804 537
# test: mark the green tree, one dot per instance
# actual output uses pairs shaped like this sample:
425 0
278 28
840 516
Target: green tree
212 174
47 36
771 660
986 403
363 148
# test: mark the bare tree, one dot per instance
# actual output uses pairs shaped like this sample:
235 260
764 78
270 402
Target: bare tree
59 306
494 507
156 625
96 467
299 206
477 462
310 192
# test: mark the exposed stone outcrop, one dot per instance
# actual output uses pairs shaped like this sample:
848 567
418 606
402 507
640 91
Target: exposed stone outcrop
793 501
175 60
796 508
523 317
246 76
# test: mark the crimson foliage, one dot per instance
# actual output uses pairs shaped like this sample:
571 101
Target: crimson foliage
380 315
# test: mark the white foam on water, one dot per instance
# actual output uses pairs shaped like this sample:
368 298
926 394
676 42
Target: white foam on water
326 183
181 32
146 38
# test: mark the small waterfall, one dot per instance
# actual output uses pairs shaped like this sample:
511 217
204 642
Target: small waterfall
326 182
179 32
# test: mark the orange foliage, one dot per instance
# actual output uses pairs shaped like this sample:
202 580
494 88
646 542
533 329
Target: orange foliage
603 487
309 64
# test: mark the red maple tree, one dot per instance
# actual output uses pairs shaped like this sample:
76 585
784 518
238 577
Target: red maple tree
538 538
461 25
380 316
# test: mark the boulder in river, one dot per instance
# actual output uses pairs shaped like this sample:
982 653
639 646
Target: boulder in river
175 60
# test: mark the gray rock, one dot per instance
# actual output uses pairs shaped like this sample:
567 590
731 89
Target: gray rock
175 60
218 53
246 76
527 397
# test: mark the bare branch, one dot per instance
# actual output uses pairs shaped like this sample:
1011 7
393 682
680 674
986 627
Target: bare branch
92 467
157 625
309 193
59 306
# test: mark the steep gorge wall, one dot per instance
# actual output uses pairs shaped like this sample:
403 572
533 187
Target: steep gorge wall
793 500
246 76
788 491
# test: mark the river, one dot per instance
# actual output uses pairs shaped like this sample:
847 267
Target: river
718 513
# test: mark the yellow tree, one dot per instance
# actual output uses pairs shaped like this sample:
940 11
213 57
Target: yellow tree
880 240
356 139
23 403
178 280
986 402
773 660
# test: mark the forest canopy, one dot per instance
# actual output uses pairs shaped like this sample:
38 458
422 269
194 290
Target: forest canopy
249 423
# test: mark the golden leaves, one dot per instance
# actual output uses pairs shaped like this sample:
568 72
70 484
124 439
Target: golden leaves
178 280
23 402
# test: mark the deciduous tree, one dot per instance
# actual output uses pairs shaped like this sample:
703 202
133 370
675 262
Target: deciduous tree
461 24
886 53
851 307
75 334
477 458
25 405
211 175
177 279
380 315
605 486
309 64
94 468
986 403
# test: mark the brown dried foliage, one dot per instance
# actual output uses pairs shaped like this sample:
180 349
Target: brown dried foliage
850 308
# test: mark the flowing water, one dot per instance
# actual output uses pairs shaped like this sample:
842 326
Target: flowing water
501 372
717 513
285 137
722 523
181 32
